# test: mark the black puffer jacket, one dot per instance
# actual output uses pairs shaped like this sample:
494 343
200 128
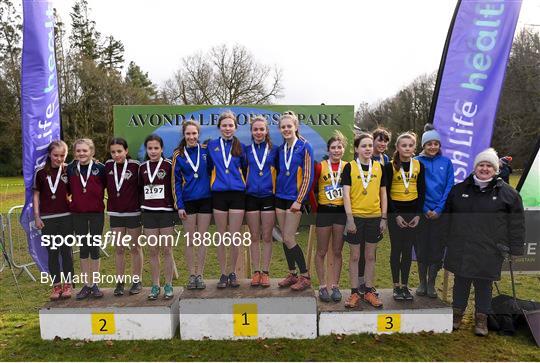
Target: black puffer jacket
479 220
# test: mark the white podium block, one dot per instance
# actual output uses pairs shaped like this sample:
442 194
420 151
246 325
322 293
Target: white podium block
420 314
111 318
247 313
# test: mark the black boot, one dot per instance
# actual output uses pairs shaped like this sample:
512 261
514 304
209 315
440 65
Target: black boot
432 277
422 272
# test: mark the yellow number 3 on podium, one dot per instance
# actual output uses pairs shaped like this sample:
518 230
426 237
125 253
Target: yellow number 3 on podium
388 322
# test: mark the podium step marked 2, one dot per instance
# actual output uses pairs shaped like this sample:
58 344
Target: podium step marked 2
247 313
420 314
111 317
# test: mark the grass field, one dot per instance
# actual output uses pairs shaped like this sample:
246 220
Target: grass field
20 337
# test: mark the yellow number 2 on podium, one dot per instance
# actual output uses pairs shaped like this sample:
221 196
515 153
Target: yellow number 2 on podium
245 320
388 322
103 324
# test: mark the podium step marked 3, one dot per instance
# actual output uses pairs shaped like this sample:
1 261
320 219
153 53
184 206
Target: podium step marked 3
111 317
420 314
247 313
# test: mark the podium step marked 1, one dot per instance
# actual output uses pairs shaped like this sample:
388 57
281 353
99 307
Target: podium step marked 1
111 317
247 313
420 314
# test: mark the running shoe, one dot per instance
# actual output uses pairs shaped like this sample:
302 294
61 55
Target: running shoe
67 291
303 283
336 294
372 299
154 292
96 292
56 292
168 291
233 281
323 295
265 280
256 279
199 283
84 293
406 293
192 283
119 290
222 282
291 279
397 293
353 302
135 288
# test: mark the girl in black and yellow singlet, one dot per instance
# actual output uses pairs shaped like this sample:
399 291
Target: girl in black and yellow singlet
364 187
406 186
330 216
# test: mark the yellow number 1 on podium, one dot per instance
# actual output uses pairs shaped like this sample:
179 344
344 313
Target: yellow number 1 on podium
245 320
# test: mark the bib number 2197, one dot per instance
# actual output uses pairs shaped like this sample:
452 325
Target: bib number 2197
154 192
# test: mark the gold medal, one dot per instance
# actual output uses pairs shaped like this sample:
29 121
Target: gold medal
407 191
364 192
261 173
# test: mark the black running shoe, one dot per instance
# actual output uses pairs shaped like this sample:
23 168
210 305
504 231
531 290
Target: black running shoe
119 290
406 293
84 293
397 294
135 288
96 292
222 281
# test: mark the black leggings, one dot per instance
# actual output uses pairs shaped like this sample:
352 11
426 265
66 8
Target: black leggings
401 243
88 223
60 226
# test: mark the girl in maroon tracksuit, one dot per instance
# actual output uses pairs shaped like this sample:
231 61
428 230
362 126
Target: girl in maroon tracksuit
124 211
52 216
87 185
158 212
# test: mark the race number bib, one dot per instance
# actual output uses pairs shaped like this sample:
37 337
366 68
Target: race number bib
154 192
333 193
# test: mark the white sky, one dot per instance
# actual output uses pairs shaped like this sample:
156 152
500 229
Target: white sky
336 52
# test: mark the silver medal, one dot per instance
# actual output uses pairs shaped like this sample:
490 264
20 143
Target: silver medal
261 173
195 175
53 197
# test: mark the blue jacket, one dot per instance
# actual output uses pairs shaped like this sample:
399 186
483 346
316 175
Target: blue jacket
261 186
439 176
296 185
220 180
185 186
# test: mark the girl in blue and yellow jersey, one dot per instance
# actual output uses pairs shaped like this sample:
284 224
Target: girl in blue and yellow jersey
228 187
191 192
406 187
364 187
439 181
330 215
261 184
292 188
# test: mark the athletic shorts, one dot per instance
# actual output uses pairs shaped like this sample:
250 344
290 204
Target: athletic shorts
328 215
286 204
198 206
125 221
263 204
367 230
158 219
224 201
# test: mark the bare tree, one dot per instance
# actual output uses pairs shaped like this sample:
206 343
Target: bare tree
223 76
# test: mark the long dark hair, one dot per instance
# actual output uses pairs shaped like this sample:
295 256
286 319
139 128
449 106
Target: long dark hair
52 145
236 149
183 143
119 141
152 137
396 161
261 118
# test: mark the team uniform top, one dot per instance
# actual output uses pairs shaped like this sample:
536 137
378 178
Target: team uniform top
406 199
224 179
439 181
187 187
264 185
365 202
156 195
296 185
327 194
383 159
87 199
52 205
125 202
